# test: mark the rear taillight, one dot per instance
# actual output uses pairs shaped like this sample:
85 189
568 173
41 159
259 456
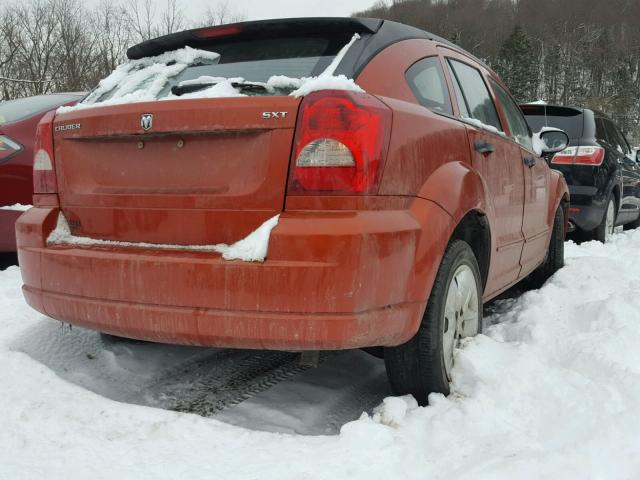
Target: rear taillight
580 156
340 144
44 174
8 149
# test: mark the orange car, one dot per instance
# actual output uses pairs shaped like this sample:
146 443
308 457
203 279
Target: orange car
299 184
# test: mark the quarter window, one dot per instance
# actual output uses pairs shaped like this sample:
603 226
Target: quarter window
517 124
426 80
477 100
620 142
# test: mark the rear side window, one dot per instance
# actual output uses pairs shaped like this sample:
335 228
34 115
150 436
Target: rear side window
16 110
477 100
570 120
426 80
617 139
517 124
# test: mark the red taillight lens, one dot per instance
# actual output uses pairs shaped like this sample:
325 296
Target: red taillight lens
593 156
8 149
44 174
340 144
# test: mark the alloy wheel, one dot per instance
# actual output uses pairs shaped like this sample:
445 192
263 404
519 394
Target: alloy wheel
460 313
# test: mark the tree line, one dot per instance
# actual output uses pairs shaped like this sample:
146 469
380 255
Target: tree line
580 52
64 45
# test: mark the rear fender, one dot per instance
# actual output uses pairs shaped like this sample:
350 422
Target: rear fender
560 191
458 189
451 192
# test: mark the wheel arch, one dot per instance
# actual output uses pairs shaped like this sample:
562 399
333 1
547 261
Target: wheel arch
461 192
561 198
615 191
474 230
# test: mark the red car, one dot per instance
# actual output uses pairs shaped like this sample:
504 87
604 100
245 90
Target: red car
380 212
18 120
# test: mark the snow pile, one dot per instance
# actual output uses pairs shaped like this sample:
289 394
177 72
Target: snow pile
142 80
252 248
17 207
551 391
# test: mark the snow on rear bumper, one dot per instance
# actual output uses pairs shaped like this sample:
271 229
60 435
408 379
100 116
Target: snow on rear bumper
332 280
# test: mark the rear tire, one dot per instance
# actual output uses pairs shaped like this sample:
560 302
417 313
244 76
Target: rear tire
604 231
554 260
454 310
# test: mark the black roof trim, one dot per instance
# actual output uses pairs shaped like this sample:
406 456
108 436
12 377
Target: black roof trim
255 29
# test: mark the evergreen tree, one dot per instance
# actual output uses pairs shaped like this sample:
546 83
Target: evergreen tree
517 65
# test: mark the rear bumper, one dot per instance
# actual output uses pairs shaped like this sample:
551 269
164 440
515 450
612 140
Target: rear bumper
332 280
586 217
587 207
8 230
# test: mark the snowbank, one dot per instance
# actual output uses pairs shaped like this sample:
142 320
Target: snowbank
252 248
551 391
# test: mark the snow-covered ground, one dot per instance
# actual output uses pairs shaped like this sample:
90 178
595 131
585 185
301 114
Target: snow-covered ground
551 391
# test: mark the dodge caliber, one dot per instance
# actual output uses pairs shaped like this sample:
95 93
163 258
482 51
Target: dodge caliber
299 184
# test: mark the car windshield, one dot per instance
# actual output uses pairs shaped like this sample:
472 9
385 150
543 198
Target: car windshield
21 108
241 60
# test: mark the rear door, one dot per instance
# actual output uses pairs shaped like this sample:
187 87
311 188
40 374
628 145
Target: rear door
630 203
499 162
535 222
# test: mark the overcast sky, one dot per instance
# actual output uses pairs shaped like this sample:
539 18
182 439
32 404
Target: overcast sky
260 9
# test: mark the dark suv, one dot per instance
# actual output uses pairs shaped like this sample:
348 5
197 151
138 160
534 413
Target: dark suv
602 171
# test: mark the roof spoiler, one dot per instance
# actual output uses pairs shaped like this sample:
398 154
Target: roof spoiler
253 30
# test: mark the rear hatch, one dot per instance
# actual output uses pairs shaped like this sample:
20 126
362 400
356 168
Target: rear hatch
204 159
575 124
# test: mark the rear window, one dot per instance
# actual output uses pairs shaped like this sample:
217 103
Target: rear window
19 109
246 60
570 120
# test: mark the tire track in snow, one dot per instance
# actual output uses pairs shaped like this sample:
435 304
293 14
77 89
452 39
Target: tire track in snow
227 378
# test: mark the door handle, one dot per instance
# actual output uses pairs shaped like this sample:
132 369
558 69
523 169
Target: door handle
484 147
529 161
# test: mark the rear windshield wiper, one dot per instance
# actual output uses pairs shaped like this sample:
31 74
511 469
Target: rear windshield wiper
242 86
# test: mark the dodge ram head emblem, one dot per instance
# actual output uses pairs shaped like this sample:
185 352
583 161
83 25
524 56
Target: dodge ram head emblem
146 121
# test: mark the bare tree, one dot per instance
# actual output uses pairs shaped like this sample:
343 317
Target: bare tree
36 58
110 22
172 18
220 14
142 20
